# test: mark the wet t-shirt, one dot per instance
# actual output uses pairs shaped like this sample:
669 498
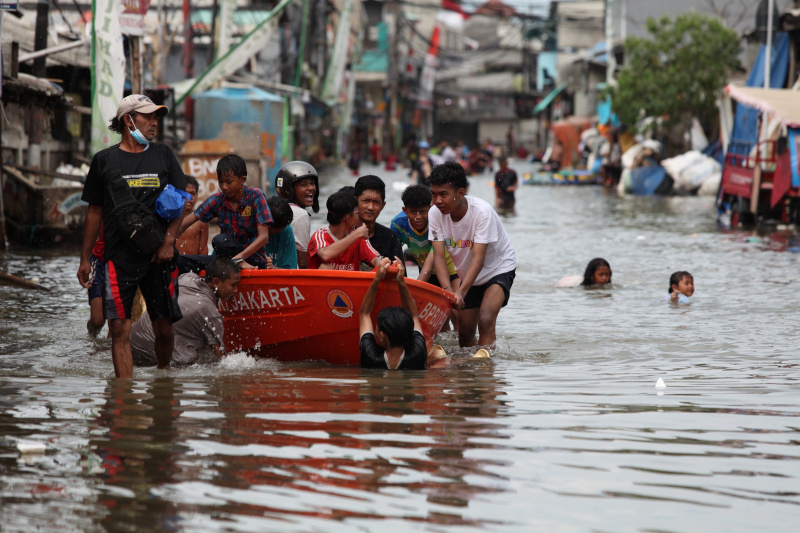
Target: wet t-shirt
415 356
418 244
386 242
361 250
201 326
281 250
301 226
504 179
147 174
482 225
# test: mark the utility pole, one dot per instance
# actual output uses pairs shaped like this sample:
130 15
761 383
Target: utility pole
611 59
394 61
188 64
36 114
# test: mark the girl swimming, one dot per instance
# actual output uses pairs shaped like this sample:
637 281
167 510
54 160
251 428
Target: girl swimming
681 287
597 273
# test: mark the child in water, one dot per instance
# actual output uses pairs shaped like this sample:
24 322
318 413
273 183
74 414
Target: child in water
597 273
397 342
681 288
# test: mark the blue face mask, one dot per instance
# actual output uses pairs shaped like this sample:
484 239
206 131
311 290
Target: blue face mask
137 135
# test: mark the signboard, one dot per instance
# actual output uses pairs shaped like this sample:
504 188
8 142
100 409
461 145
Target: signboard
131 16
108 71
11 6
199 158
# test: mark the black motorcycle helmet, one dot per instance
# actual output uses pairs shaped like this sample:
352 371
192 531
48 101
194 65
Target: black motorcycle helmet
292 172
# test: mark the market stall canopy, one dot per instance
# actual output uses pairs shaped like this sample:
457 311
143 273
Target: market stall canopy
780 104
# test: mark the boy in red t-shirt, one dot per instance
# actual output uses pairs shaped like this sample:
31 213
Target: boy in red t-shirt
342 245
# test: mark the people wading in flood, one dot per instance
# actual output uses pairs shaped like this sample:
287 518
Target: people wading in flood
122 188
470 230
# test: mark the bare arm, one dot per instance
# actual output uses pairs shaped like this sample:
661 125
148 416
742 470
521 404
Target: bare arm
91 229
405 295
440 264
203 239
427 268
167 250
302 259
475 267
187 221
260 241
364 319
336 249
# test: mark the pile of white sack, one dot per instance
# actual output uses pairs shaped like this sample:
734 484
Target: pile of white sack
694 173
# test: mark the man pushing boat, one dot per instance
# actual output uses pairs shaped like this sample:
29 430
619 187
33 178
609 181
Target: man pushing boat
471 231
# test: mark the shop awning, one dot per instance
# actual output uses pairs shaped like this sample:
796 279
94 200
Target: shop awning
779 104
541 106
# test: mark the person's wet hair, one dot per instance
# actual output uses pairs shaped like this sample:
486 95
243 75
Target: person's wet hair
221 268
449 173
677 277
348 189
416 196
370 183
233 164
281 211
191 180
591 268
397 324
340 204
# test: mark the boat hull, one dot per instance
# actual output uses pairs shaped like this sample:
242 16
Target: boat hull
296 315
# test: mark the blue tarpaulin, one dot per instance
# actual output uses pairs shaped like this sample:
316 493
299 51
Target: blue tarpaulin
745 125
650 180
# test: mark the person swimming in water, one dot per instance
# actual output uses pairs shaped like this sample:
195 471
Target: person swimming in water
597 274
681 288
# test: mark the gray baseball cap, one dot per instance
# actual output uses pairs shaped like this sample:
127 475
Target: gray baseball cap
140 104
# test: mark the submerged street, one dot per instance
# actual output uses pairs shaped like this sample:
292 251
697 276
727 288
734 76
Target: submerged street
563 429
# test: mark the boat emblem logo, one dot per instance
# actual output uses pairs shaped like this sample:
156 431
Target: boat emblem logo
340 303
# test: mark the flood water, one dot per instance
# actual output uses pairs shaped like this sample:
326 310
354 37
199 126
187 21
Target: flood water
563 430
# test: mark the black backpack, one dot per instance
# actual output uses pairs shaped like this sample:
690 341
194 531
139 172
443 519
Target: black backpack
138 226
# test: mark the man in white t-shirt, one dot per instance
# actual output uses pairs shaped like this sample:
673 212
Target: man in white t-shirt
470 230
297 182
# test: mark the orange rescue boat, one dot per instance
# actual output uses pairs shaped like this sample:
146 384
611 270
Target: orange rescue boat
297 315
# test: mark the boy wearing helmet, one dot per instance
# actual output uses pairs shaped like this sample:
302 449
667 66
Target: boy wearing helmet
298 183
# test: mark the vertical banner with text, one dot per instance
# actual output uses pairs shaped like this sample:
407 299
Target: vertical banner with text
108 71
332 87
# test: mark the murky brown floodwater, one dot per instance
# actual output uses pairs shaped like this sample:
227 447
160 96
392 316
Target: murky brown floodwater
562 431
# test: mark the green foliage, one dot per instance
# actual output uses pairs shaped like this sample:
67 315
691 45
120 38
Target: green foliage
678 73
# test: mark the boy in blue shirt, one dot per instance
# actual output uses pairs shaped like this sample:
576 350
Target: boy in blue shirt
411 228
280 249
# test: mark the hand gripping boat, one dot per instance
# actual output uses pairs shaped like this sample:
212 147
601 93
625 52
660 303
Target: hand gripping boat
296 315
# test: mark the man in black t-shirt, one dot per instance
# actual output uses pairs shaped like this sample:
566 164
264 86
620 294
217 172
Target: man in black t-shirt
505 183
370 192
147 167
